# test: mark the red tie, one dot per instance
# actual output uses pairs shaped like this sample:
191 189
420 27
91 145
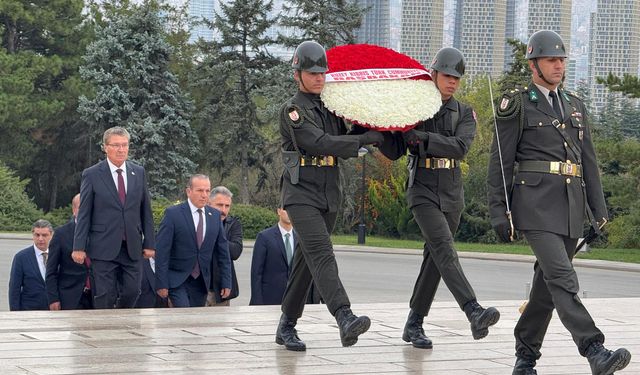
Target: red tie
122 192
199 239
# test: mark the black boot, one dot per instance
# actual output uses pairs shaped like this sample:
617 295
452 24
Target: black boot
480 318
524 366
288 336
604 361
414 332
350 325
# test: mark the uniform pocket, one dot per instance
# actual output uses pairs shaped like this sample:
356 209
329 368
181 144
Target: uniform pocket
528 179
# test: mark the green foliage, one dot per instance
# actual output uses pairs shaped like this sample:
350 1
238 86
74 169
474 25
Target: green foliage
253 218
41 46
329 23
17 210
389 211
629 84
59 216
129 65
240 68
158 205
519 74
624 231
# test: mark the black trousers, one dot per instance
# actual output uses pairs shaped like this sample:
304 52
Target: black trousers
313 261
116 280
440 259
555 284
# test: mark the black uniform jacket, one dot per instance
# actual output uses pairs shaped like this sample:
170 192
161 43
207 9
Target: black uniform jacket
317 132
543 201
440 186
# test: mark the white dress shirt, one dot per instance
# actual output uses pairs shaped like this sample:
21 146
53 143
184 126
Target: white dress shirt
196 218
545 91
114 174
284 239
40 259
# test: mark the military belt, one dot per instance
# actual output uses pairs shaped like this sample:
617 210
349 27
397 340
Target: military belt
438 163
318 161
552 167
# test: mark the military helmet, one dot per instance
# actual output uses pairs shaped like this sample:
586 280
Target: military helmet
311 57
545 43
449 61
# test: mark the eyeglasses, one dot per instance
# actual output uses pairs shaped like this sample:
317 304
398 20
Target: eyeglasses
118 145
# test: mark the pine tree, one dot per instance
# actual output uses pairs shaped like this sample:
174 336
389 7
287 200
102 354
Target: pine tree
128 64
41 45
235 66
330 22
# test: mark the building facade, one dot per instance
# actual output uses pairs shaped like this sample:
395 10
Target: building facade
422 29
614 45
480 34
375 28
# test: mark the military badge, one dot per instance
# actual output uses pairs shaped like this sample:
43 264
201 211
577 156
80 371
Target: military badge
294 116
580 134
504 104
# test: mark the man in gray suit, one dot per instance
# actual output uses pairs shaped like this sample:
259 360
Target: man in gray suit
115 224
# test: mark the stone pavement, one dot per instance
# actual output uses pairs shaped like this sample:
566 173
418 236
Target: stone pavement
240 340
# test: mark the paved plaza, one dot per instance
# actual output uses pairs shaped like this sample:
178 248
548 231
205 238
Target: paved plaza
240 340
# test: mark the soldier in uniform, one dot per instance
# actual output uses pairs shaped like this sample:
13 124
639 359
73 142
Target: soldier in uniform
312 141
436 198
543 167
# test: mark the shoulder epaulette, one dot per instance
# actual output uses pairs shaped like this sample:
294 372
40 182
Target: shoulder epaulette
511 101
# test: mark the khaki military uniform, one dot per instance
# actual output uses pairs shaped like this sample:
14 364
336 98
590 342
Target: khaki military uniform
551 180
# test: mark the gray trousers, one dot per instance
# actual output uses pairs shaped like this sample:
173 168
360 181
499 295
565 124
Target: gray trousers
555 285
313 260
440 259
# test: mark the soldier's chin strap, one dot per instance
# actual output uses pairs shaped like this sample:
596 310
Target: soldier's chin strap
535 64
512 231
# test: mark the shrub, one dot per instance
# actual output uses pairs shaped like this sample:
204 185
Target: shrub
17 211
253 218
158 206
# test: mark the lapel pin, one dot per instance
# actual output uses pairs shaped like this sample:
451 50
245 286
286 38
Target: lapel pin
209 213
133 173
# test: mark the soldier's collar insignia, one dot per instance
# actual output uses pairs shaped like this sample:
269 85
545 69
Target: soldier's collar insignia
533 96
564 93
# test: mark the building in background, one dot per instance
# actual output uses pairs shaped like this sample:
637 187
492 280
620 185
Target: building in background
422 29
614 45
480 35
375 28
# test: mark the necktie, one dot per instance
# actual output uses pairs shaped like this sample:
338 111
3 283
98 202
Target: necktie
44 258
199 238
122 192
556 104
287 247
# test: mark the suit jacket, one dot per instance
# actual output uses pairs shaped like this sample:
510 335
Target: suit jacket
148 297
544 201
65 278
27 290
177 250
103 221
233 231
269 268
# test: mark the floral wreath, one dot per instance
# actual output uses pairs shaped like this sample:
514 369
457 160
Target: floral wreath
379 88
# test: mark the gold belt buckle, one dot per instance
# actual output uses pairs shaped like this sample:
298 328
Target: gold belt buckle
330 160
554 167
322 162
444 163
568 169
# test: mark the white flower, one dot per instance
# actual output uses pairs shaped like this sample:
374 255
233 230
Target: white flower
383 104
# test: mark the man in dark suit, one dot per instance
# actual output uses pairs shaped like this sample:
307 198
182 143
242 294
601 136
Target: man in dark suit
271 262
221 199
67 285
115 224
190 239
148 296
26 284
